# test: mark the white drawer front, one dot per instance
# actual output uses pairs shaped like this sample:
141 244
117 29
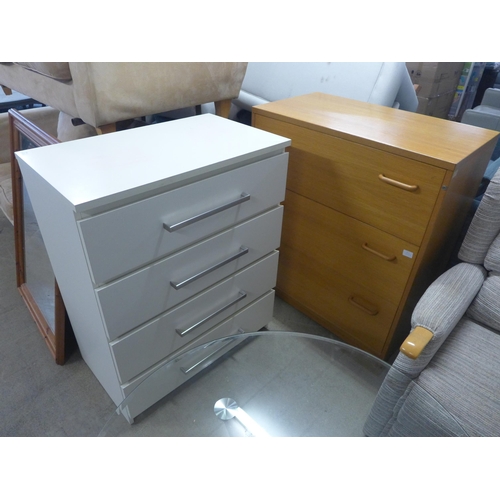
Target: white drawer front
127 238
155 341
139 297
161 380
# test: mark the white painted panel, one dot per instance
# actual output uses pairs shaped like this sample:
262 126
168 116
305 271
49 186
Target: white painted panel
109 168
62 241
139 297
164 378
113 175
158 339
113 248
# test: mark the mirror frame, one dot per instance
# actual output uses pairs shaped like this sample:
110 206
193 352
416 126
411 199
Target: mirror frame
61 338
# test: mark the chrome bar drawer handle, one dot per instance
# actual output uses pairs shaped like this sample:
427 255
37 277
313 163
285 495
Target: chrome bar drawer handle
179 225
206 358
178 285
401 185
241 296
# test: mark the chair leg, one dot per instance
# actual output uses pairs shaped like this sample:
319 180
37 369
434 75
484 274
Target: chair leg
106 129
222 108
6 90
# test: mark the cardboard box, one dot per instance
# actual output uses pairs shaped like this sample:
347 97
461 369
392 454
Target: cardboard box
438 106
435 78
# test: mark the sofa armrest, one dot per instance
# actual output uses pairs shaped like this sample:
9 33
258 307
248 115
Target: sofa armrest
416 342
447 298
491 97
438 311
482 116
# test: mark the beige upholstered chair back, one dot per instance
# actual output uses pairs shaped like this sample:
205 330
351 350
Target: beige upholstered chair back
102 93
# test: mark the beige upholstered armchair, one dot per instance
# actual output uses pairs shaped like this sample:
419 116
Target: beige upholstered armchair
103 93
446 379
86 98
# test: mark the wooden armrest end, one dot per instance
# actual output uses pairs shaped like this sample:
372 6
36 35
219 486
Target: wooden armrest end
416 342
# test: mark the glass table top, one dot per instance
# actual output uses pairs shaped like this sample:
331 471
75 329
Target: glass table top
271 384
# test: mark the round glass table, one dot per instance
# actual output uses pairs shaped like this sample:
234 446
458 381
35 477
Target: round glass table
270 384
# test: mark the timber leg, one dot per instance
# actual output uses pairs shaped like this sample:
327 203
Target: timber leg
222 108
106 129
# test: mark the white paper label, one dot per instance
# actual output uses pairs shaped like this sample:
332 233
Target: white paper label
408 254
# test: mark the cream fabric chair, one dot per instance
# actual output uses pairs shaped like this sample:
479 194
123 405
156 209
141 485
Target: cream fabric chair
101 95
446 380
104 93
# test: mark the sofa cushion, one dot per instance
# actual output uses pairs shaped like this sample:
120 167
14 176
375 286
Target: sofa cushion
485 225
463 377
492 259
56 70
484 308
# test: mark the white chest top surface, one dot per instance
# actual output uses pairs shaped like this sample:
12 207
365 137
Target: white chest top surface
109 168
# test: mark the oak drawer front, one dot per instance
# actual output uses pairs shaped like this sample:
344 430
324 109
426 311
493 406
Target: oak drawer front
127 238
156 340
167 376
345 176
334 242
343 304
137 298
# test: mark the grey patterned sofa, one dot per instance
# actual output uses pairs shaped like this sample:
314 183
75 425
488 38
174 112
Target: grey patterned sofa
446 379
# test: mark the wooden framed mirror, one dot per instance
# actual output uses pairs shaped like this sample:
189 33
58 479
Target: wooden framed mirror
35 278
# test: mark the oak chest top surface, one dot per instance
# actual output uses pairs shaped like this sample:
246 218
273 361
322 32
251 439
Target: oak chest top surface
436 141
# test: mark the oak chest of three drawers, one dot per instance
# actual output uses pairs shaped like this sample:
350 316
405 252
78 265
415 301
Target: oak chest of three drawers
376 198
161 238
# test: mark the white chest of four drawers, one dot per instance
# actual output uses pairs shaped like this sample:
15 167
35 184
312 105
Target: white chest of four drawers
161 238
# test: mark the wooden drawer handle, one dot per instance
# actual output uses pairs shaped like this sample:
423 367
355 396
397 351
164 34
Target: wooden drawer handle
372 311
378 254
401 185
